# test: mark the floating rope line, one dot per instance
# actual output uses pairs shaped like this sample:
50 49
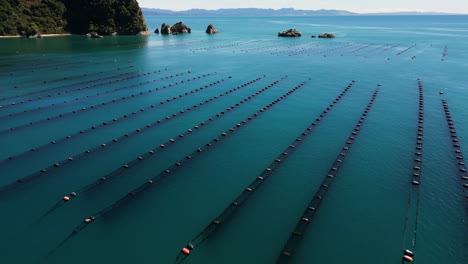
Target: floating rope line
93 107
444 54
43 67
227 213
405 50
93 150
95 128
459 159
309 213
361 48
86 97
123 77
69 78
165 145
325 52
366 53
170 170
412 210
225 46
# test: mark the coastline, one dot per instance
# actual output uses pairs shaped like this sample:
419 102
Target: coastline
43 35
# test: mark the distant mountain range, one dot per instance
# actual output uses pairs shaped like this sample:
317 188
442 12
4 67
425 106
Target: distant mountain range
270 12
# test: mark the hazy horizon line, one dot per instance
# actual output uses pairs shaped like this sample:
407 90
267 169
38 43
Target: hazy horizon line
369 11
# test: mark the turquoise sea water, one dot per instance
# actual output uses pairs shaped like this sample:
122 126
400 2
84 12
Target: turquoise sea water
362 217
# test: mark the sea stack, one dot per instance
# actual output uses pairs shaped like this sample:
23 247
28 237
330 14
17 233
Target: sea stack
290 33
165 29
211 29
327 35
180 28
156 31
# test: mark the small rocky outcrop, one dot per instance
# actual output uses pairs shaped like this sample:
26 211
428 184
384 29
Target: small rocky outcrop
211 29
93 35
37 35
180 28
290 33
166 29
156 31
143 33
327 35
313 36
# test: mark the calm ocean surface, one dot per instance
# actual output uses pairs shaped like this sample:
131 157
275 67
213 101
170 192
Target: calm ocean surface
362 216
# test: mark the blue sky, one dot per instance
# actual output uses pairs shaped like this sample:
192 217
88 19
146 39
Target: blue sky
360 6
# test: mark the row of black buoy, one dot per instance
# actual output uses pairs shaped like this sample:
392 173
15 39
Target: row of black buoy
320 50
260 179
96 148
170 170
100 73
405 50
459 159
283 49
45 107
367 52
92 107
444 54
385 50
376 51
273 46
361 48
101 82
26 70
156 150
339 48
34 68
411 221
312 208
231 45
127 116
297 47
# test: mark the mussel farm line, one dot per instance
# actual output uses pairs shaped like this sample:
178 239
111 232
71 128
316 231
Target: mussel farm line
70 78
93 150
444 54
86 97
296 237
459 158
90 108
125 117
256 183
123 77
170 170
412 210
405 50
165 145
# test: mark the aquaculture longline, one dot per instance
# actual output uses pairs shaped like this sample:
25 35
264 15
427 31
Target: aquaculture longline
89 108
256 183
412 209
170 170
301 227
170 142
458 154
95 149
86 97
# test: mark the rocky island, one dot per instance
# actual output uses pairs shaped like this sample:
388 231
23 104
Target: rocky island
290 33
327 35
110 17
211 29
180 28
177 28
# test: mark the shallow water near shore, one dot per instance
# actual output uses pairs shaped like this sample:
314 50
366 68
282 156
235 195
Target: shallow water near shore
143 79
